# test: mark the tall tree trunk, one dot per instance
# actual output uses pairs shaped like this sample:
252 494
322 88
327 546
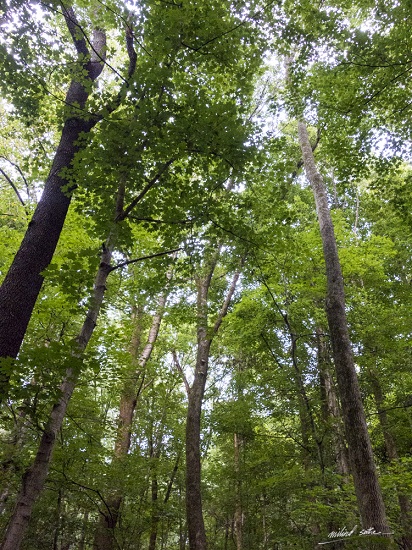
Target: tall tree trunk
194 509
23 282
104 536
392 452
205 335
368 492
35 477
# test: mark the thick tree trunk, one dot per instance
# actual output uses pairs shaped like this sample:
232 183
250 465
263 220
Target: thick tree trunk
35 477
105 536
392 452
368 492
23 282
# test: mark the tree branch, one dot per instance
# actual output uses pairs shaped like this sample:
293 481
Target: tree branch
145 190
13 186
180 369
17 167
74 28
128 262
228 299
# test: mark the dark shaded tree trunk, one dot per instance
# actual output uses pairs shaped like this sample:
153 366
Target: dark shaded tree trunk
194 509
368 492
35 477
22 284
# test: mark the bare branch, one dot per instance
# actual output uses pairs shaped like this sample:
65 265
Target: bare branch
128 262
17 167
13 186
180 369
131 52
145 190
229 296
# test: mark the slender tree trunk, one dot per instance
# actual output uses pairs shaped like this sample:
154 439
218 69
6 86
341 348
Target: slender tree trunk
35 477
238 527
9 463
154 455
58 527
82 540
392 451
22 284
194 510
368 492
331 411
104 536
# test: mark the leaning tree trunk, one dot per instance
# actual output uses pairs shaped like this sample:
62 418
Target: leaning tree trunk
35 477
23 282
368 492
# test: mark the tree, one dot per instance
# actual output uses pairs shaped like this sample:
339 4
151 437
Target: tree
22 284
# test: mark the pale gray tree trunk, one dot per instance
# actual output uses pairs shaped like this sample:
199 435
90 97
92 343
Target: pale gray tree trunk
368 492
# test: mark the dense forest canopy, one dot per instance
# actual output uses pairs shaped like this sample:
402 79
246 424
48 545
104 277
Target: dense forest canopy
206 235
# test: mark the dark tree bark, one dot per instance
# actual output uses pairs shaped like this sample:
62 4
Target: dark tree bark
368 492
34 478
22 284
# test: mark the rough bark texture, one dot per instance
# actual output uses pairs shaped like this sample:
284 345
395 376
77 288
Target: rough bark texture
194 510
368 492
22 284
35 477
331 411
105 535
